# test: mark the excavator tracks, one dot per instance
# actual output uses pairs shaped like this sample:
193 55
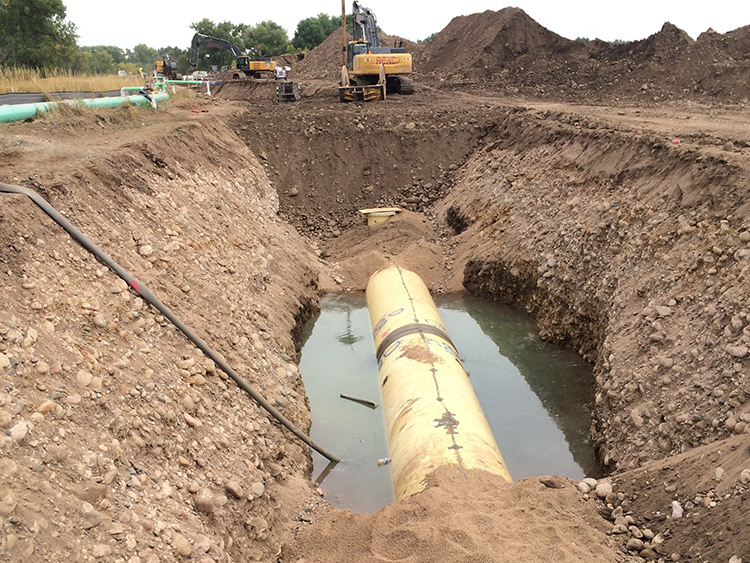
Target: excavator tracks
405 85
400 85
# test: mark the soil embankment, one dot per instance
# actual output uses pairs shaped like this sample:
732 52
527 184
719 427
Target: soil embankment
123 440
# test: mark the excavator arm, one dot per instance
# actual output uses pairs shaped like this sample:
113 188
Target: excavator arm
365 25
200 39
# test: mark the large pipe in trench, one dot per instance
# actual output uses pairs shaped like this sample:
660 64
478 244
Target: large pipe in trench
433 417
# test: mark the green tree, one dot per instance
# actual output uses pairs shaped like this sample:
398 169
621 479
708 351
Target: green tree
130 68
143 56
311 32
102 63
117 54
268 38
81 62
34 33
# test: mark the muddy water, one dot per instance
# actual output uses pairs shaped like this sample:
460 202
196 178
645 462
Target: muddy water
536 397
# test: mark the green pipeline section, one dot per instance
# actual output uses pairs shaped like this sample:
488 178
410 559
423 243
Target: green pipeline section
23 111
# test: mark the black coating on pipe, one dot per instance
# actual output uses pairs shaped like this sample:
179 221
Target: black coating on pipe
144 292
414 328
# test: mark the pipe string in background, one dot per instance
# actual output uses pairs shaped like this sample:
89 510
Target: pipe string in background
144 292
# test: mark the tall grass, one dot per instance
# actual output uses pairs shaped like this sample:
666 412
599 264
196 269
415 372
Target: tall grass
32 80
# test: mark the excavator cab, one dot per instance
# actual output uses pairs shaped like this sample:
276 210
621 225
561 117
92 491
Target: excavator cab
354 49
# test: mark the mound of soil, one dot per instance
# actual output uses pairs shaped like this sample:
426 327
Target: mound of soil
491 41
324 61
471 517
508 51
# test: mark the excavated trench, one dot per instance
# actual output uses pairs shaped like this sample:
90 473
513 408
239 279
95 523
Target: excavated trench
629 249
575 223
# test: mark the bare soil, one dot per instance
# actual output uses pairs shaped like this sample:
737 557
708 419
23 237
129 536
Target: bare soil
531 169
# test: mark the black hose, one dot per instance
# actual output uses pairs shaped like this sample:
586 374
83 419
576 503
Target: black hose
144 292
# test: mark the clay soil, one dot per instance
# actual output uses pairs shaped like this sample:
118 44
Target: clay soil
601 188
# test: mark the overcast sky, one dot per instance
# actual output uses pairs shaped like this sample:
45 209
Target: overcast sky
167 22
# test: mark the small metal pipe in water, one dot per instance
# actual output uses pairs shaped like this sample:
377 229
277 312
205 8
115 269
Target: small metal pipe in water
433 417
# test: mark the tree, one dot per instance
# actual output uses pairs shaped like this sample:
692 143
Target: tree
100 59
102 63
268 38
130 68
143 56
311 32
34 33
117 54
81 62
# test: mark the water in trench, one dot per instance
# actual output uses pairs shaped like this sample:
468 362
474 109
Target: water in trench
536 396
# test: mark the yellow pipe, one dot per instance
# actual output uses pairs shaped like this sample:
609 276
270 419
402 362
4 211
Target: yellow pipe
432 415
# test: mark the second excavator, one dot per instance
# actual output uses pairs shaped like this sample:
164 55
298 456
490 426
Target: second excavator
246 67
371 70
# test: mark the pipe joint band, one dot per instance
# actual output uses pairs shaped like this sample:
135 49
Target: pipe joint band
414 328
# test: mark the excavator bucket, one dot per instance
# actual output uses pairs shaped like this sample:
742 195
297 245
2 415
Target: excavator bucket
362 93
348 92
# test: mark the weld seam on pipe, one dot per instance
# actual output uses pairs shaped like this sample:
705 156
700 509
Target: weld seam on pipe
144 292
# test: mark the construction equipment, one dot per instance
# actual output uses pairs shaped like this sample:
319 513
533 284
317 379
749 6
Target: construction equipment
287 91
167 68
371 70
245 65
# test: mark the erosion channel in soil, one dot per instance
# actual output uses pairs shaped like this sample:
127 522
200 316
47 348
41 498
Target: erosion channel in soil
622 231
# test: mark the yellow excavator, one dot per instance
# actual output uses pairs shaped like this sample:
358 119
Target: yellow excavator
370 70
246 66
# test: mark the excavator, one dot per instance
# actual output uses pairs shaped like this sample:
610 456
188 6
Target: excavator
245 66
167 68
371 70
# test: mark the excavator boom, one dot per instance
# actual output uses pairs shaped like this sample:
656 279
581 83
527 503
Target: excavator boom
200 39
365 25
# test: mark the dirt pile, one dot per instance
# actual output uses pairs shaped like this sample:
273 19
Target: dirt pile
324 61
477 517
507 51
486 43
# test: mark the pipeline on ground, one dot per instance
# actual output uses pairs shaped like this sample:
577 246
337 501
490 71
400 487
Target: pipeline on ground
24 111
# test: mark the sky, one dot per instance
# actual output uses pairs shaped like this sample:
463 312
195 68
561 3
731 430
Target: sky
167 22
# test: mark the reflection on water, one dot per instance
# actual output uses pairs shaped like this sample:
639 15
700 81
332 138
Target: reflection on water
338 357
537 397
534 395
